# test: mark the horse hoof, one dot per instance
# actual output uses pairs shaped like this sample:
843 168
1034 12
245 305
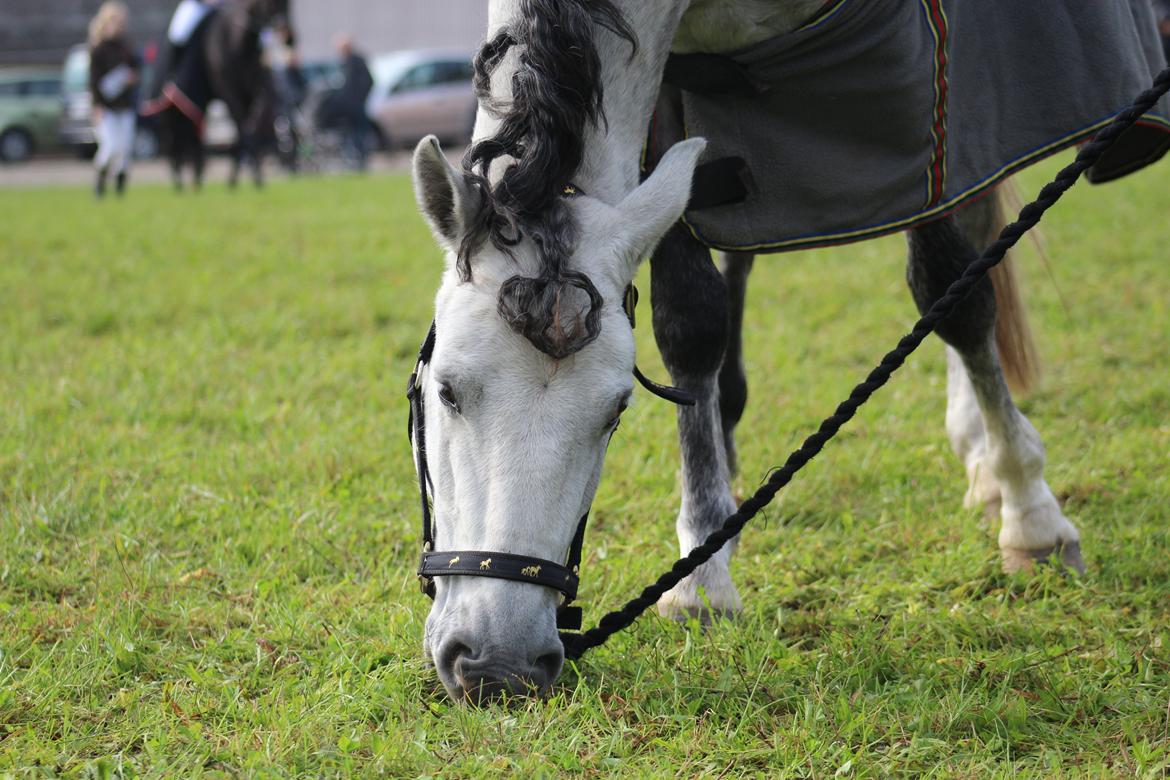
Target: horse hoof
1067 553
706 601
684 614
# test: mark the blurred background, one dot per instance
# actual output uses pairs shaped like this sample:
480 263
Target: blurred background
417 53
40 32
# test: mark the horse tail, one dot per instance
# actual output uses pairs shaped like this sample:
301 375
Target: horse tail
1017 349
1013 334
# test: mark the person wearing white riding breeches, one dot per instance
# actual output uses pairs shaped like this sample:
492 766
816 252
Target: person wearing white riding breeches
113 81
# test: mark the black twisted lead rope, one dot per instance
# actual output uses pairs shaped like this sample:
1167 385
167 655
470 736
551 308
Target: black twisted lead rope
578 644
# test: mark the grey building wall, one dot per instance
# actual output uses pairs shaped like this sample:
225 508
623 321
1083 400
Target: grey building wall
379 26
41 31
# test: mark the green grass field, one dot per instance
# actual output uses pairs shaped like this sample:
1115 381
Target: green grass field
208 516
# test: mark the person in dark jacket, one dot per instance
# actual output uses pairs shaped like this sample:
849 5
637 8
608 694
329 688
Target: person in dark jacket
113 78
350 99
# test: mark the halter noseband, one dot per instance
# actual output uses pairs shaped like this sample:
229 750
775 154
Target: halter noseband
499 565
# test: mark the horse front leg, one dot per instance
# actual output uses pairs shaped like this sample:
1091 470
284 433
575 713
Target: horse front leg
237 107
175 146
732 376
690 304
176 161
198 159
258 169
254 148
239 153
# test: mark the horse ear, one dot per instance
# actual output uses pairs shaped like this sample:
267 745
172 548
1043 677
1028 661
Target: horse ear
444 195
657 203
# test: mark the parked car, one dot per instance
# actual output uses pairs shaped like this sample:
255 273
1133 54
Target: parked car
420 92
29 100
75 128
321 73
294 86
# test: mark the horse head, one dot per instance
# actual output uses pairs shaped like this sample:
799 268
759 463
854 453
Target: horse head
529 375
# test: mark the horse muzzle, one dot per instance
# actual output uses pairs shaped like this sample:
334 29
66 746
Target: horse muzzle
491 639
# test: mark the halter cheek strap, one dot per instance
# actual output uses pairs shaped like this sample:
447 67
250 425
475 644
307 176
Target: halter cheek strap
676 395
499 565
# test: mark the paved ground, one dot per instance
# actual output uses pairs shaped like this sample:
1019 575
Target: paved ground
71 171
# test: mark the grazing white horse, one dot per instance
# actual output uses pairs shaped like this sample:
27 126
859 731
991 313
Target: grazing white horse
532 362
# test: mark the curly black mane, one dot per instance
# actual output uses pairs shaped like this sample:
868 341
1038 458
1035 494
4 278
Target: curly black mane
556 97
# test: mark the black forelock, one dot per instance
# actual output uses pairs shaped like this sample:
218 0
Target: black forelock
556 97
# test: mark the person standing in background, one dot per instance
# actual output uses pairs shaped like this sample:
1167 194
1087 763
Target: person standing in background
113 77
351 98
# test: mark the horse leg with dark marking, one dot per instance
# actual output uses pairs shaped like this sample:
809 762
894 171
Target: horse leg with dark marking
177 170
237 154
1002 451
732 377
260 124
175 150
198 157
689 298
254 162
257 170
244 153
242 109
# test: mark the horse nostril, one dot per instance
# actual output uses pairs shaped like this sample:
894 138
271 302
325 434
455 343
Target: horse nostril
452 655
546 668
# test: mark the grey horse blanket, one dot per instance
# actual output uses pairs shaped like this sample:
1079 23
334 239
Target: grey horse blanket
881 114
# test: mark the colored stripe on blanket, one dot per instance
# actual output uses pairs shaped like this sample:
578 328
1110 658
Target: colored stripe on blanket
936 19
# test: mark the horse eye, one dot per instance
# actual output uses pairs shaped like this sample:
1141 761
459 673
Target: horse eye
447 396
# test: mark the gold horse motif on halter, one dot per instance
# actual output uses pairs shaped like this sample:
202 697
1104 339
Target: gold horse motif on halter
485 564
530 571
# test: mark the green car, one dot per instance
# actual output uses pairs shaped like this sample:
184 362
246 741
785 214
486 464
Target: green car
30 105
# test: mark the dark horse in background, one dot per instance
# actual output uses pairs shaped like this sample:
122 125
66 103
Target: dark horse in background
223 60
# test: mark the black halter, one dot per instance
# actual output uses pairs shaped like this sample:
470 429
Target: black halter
505 566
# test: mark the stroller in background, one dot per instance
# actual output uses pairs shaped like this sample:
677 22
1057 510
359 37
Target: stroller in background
312 135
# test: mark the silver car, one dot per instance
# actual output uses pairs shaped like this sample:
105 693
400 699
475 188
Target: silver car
417 93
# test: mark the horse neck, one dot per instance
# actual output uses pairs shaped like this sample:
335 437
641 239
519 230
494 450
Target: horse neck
613 148
246 17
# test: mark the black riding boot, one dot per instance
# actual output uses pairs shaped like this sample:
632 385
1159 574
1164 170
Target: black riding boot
99 187
120 183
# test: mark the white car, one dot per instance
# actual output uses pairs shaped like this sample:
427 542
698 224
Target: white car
417 93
